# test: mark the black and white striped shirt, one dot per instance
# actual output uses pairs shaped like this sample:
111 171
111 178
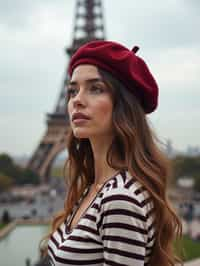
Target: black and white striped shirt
116 229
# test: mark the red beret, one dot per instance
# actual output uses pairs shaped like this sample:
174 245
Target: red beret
124 65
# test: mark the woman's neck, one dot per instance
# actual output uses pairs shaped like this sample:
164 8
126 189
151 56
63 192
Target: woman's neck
102 170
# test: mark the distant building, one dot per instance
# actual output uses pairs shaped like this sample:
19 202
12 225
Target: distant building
193 151
169 148
28 191
186 182
170 151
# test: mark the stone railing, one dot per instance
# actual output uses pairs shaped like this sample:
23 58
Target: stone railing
8 228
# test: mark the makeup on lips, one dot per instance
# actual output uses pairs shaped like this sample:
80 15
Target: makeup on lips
79 118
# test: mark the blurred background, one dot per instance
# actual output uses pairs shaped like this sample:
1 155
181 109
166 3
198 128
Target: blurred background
37 39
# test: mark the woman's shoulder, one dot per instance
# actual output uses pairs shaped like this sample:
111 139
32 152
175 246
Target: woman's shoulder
125 203
125 187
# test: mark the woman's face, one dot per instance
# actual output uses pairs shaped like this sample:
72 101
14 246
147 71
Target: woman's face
88 94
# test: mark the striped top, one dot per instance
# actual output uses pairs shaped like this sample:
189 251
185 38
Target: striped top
116 229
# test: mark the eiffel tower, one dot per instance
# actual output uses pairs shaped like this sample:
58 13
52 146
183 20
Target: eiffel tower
88 26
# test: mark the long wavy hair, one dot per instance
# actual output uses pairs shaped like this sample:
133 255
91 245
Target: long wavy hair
139 152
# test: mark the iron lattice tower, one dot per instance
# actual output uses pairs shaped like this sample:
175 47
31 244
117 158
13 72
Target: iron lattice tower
88 26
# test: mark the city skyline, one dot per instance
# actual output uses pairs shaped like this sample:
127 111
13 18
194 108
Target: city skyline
34 36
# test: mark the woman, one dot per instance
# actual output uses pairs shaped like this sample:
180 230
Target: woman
116 211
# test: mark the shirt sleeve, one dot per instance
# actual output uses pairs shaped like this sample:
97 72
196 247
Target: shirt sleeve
123 230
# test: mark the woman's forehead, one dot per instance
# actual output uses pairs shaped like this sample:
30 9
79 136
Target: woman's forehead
85 72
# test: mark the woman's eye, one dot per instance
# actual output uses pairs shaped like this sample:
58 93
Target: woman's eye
97 89
71 92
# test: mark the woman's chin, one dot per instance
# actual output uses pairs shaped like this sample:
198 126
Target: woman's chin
81 135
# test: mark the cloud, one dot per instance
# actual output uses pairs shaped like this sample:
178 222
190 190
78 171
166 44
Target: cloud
153 25
178 68
181 126
21 14
23 132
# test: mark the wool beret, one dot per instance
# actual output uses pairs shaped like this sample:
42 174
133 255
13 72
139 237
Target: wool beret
124 65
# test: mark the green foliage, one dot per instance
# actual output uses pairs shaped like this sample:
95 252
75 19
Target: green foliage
2 225
5 182
197 182
187 166
13 174
186 248
31 177
5 161
8 167
191 248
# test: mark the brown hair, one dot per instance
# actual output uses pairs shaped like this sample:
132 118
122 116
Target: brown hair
137 148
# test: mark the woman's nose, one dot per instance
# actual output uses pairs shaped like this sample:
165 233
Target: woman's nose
79 99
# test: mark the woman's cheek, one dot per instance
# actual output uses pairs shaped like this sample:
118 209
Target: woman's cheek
104 111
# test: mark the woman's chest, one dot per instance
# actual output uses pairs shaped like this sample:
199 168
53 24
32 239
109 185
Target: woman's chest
74 241
76 247
81 210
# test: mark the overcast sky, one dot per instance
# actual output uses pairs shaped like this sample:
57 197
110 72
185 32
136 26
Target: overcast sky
33 38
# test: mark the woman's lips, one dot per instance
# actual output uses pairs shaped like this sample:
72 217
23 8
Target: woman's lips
80 120
79 115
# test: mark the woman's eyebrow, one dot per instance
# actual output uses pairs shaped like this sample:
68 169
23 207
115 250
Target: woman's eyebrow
87 81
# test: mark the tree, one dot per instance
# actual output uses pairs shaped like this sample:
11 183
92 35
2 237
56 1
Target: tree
17 174
30 177
5 182
197 183
6 164
8 167
186 166
5 161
